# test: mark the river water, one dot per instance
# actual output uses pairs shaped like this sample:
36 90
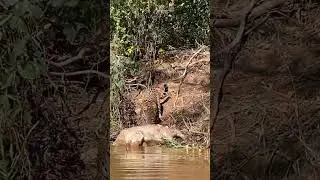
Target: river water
155 163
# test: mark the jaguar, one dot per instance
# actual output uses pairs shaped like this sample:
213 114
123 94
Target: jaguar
149 105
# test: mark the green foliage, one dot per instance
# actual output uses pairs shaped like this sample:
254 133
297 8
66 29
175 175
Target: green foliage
120 66
76 17
141 28
7 160
173 144
21 60
22 65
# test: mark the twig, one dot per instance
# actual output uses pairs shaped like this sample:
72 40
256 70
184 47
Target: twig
203 60
197 132
69 82
72 59
185 74
186 124
258 24
270 161
296 100
190 60
131 80
79 73
137 84
93 100
296 109
61 58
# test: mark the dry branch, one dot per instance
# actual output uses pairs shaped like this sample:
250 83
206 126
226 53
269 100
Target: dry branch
185 74
227 66
79 73
72 59
93 100
256 12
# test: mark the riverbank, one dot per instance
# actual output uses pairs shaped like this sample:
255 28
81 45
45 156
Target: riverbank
186 73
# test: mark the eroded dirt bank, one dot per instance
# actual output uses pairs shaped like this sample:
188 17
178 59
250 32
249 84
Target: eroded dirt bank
187 111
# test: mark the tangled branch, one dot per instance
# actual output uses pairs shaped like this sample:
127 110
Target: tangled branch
79 73
256 12
72 59
230 52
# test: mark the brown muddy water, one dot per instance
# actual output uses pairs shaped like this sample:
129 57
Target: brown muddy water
156 163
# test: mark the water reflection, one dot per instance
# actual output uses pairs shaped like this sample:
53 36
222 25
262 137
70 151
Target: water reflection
152 163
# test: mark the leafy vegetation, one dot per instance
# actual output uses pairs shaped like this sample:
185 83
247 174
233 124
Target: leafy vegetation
141 30
34 34
173 144
119 67
52 49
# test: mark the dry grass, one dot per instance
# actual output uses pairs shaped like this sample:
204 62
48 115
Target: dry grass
268 126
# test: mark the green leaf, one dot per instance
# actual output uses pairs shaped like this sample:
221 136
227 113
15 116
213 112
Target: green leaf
11 151
16 112
21 8
57 3
29 71
19 47
70 33
71 3
35 11
12 2
6 19
4 102
39 60
27 117
79 26
7 80
18 24
4 164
